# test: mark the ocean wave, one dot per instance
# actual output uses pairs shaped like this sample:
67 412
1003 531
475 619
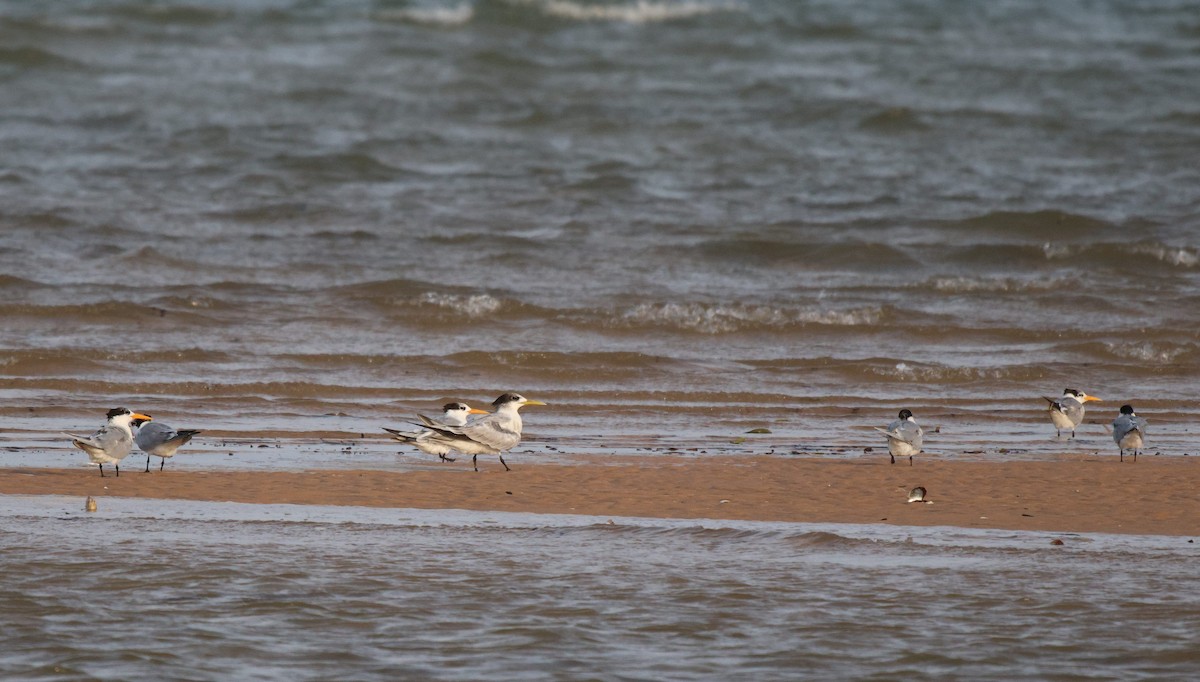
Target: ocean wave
1154 352
722 318
35 58
1033 224
836 255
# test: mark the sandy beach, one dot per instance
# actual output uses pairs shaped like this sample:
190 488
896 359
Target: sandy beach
1154 496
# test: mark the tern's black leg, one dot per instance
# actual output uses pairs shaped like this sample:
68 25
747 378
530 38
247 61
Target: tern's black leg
162 464
101 471
893 457
504 463
147 464
1135 455
1072 433
474 463
118 468
910 460
1122 454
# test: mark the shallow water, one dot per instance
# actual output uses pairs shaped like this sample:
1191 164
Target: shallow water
674 220
145 589
669 218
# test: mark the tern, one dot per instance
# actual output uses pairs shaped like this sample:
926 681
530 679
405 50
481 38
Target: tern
493 434
453 414
1129 431
904 437
160 440
112 442
1067 411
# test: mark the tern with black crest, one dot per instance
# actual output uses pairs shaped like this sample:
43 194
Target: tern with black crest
904 437
160 440
1129 432
112 442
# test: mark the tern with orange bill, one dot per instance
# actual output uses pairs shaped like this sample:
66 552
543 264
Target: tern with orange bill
1067 412
1129 432
113 441
453 414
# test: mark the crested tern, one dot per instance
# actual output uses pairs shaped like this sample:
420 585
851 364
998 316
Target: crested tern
112 442
1067 411
1129 431
160 440
493 434
453 414
904 437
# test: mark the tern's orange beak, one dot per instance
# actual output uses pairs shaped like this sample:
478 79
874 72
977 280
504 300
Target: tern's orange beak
534 402
1091 398
142 417
475 411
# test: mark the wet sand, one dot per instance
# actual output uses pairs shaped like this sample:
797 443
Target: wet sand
1157 495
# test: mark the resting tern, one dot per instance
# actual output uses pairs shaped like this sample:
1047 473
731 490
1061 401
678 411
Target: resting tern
453 414
160 440
1129 431
112 442
494 434
904 437
1067 411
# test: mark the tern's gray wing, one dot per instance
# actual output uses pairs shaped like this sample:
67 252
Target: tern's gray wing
159 439
1124 424
109 440
904 431
493 433
1072 408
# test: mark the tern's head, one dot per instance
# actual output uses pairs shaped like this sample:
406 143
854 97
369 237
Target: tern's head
513 401
460 409
905 415
122 415
1079 395
1127 409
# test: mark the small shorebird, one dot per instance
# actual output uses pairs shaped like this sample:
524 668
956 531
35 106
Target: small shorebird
1129 431
494 434
160 440
453 414
904 437
112 442
1067 411
917 494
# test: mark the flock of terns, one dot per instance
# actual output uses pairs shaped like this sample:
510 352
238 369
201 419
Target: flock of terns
469 431
1128 430
459 429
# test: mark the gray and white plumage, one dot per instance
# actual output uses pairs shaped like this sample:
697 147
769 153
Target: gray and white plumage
1129 432
160 440
453 414
492 434
112 442
904 436
1067 412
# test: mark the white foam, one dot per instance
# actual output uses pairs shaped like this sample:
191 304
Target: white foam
639 12
474 305
719 319
455 15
